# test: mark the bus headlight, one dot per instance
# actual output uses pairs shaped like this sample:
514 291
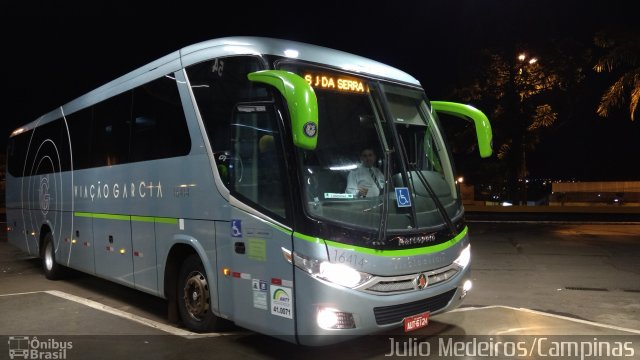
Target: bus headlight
339 274
342 274
464 258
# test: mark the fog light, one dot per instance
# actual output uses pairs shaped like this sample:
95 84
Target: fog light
329 318
465 288
467 285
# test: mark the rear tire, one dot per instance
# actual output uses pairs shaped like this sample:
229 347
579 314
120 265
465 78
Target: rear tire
194 297
52 270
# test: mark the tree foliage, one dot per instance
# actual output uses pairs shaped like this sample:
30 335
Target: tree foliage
519 93
622 58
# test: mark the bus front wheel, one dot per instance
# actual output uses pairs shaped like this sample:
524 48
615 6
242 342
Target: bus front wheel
194 296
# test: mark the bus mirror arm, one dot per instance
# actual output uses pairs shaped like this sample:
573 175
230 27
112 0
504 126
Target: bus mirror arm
301 102
482 124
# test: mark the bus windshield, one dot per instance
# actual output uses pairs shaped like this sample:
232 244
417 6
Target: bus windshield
380 156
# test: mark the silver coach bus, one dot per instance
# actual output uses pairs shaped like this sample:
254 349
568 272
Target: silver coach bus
216 177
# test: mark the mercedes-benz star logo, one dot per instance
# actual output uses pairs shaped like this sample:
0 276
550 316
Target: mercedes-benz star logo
421 281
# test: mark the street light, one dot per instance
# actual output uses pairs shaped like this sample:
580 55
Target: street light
522 57
525 86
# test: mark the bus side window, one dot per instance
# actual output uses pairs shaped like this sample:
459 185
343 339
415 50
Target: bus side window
16 153
111 120
159 128
80 130
257 159
218 85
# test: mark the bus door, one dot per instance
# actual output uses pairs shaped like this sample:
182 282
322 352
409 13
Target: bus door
262 277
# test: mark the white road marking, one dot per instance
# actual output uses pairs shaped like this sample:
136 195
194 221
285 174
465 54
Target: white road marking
184 333
125 315
23 293
587 322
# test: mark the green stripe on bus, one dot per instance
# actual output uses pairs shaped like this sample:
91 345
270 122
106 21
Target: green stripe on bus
102 216
390 253
163 220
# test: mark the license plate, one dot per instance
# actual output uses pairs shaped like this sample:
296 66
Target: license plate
416 321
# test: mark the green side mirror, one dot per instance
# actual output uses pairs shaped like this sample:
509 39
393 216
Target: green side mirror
301 101
483 127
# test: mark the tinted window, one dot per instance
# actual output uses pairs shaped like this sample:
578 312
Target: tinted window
242 126
257 164
220 84
16 152
80 130
143 124
159 128
111 130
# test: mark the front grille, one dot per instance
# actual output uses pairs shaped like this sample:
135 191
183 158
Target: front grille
400 284
395 313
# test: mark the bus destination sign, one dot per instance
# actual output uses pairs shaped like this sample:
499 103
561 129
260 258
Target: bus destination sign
336 82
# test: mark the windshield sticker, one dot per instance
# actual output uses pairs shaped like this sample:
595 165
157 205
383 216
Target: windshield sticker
338 196
402 197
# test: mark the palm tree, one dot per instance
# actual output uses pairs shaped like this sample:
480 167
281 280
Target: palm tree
622 58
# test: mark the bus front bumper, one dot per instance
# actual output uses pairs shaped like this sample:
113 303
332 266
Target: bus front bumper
353 313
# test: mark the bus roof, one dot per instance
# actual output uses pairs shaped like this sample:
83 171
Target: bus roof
303 51
240 45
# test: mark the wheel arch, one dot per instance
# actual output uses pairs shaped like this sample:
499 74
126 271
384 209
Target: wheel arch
183 247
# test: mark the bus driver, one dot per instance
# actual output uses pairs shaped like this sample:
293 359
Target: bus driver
366 180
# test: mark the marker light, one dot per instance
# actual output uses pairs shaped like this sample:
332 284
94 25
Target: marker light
464 258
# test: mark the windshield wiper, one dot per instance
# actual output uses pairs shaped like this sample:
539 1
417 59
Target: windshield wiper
434 196
382 231
427 186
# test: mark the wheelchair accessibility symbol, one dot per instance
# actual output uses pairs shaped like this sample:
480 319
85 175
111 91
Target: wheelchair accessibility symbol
236 228
402 197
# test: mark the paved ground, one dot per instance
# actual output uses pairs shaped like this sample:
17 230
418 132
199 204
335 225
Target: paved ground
587 271
533 284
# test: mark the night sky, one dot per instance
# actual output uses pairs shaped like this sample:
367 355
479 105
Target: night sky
52 54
